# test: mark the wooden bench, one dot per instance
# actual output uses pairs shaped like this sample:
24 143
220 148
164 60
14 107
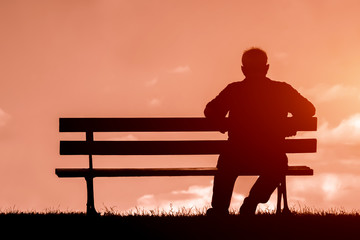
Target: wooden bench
189 147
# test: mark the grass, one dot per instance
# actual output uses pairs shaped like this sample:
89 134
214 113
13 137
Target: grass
193 212
183 223
181 212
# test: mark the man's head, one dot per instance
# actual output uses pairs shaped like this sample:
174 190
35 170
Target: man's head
254 63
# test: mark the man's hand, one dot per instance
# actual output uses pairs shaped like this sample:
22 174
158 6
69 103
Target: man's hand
291 133
223 129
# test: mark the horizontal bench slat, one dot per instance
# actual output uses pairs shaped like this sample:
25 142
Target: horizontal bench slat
166 147
147 172
162 124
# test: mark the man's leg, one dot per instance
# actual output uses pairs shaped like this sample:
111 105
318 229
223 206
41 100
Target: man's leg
222 192
260 193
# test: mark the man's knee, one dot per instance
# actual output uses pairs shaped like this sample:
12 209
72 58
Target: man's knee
259 197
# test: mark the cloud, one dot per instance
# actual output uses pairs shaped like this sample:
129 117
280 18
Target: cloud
327 93
128 137
321 191
181 69
338 147
152 82
281 57
196 198
336 166
324 191
154 102
347 132
193 197
4 118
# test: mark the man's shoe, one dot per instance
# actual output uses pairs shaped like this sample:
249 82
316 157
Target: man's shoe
248 208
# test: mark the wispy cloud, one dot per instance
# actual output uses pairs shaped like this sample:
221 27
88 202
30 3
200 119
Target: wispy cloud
128 137
281 57
327 93
181 69
4 118
336 166
154 102
324 191
152 82
347 132
194 197
338 147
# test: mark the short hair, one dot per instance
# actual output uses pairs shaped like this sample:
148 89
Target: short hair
254 58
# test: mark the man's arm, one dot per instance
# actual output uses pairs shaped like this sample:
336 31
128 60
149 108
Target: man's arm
299 106
219 106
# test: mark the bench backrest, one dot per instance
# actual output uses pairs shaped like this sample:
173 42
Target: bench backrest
192 147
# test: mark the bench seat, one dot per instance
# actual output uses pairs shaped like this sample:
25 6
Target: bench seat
157 172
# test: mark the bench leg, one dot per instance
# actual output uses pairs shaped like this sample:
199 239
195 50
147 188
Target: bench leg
286 209
279 196
282 194
90 206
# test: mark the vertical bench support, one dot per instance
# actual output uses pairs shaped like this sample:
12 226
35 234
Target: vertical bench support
282 194
90 206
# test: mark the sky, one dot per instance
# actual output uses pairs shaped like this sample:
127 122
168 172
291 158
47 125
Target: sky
168 59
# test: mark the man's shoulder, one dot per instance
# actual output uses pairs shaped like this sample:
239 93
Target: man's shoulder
232 87
235 84
271 83
280 84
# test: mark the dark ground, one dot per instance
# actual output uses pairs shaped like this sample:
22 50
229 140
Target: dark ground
79 226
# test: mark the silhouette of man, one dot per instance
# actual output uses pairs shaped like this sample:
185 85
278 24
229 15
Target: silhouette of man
257 107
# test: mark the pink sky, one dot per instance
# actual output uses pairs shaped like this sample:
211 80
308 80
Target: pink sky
161 59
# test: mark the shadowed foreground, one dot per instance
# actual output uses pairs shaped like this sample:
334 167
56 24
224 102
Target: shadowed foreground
182 227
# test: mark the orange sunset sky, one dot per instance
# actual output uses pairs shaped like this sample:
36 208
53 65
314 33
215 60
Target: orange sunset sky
168 59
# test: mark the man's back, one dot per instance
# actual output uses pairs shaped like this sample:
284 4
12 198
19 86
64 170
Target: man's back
257 108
